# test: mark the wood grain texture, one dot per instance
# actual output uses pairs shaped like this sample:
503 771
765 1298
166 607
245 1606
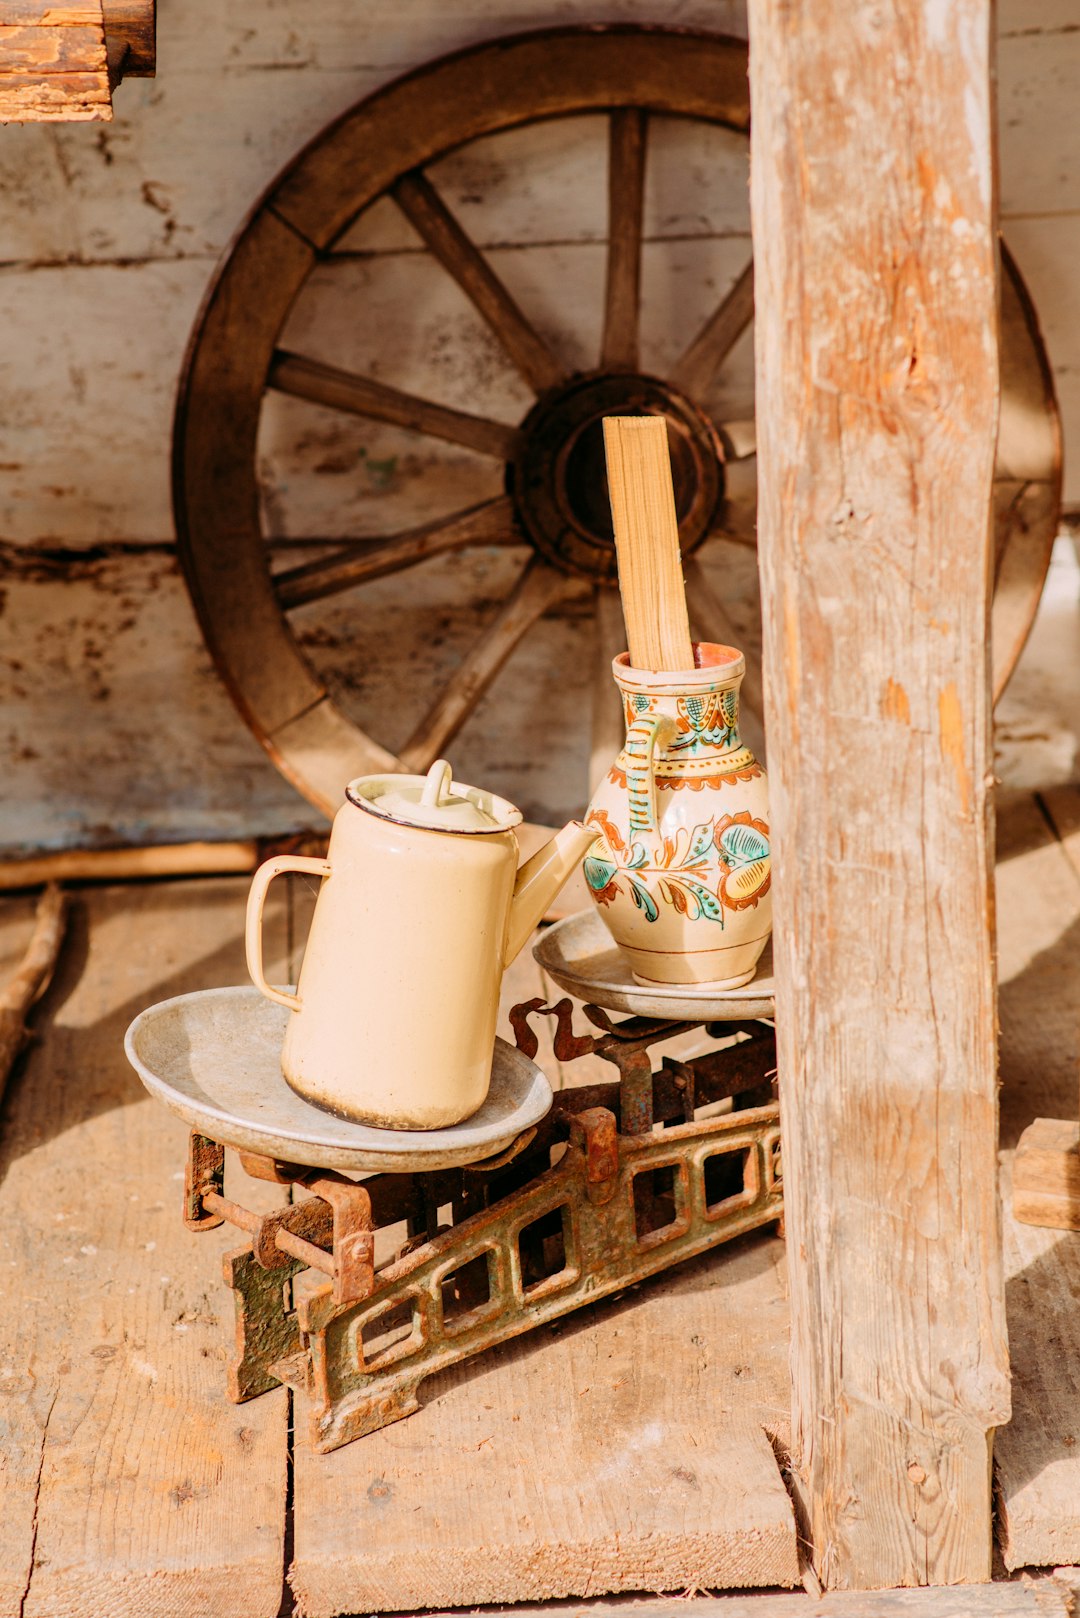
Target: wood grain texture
489 523
427 212
647 542
53 63
120 864
339 390
30 978
876 409
129 1484
538 587
1046 1596
1037 1456
1046 1175
695 369
626 195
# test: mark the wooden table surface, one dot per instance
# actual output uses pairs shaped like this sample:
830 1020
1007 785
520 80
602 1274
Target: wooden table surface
630 1447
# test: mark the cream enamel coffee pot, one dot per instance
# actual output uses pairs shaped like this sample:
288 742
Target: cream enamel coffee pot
421 908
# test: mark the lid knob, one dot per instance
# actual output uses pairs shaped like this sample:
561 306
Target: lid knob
437 784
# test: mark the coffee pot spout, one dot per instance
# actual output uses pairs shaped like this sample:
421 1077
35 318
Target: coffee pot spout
541 877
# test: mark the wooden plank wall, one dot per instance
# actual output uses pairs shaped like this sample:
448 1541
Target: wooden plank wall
108 236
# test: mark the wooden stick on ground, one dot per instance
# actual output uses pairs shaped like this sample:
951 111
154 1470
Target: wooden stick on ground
151 860
32 976
647 542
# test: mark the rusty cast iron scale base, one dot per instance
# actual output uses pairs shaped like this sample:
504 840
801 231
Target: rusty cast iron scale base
592 1200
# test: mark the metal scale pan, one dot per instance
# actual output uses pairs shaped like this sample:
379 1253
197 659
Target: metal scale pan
214 1059
580 955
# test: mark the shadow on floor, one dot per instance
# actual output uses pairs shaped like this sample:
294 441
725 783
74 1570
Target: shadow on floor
74 1071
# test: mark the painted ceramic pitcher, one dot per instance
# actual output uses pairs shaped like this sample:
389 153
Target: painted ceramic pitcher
421 907
681 873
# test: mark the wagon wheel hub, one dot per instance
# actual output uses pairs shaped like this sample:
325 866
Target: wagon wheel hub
558 481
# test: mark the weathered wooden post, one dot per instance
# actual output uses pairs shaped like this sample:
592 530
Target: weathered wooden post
875 253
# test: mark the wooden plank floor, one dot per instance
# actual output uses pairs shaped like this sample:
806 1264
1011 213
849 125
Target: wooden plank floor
629 1447
129 1485
1038 1455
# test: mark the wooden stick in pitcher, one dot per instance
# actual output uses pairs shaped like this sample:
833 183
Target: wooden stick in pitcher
647 542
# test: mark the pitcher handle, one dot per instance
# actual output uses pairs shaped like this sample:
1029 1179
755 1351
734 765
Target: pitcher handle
641 742
253 927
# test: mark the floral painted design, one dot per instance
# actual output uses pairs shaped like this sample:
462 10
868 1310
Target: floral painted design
709 720
676 783
702 721
742 844
680 869
635 705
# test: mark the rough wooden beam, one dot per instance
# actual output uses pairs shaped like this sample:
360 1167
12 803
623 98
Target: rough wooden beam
59 63
874 248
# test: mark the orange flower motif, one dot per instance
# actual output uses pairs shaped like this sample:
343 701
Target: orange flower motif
742 844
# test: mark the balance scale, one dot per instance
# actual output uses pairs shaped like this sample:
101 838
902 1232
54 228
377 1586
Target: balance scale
355 1290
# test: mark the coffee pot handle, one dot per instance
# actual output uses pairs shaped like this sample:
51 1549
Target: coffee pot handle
641 742
253 928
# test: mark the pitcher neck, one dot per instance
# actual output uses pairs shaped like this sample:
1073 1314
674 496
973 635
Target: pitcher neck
706 723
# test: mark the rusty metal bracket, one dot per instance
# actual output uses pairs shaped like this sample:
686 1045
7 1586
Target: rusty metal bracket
205 1176
331 1230
591 1200
683 1076
595 1130
625 1044
352 1234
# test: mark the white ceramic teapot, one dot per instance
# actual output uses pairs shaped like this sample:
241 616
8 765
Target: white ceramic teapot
421 908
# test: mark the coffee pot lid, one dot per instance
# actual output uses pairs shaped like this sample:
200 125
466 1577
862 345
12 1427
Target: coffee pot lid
434 801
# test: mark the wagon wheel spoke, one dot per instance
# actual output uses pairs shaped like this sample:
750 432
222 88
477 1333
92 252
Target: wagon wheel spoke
538 588
491 523
739 438
626 191
737 524
696 367
711 622
458 254
361 396
737 519
607 730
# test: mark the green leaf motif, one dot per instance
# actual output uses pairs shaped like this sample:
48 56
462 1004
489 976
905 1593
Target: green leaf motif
644 900
598 873
705 903
741 844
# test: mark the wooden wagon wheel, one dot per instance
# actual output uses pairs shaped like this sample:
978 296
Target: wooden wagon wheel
554 502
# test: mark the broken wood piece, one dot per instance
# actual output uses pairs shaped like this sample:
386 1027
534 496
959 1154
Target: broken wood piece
1046 1174
61 63
121 864
647 542
31 978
